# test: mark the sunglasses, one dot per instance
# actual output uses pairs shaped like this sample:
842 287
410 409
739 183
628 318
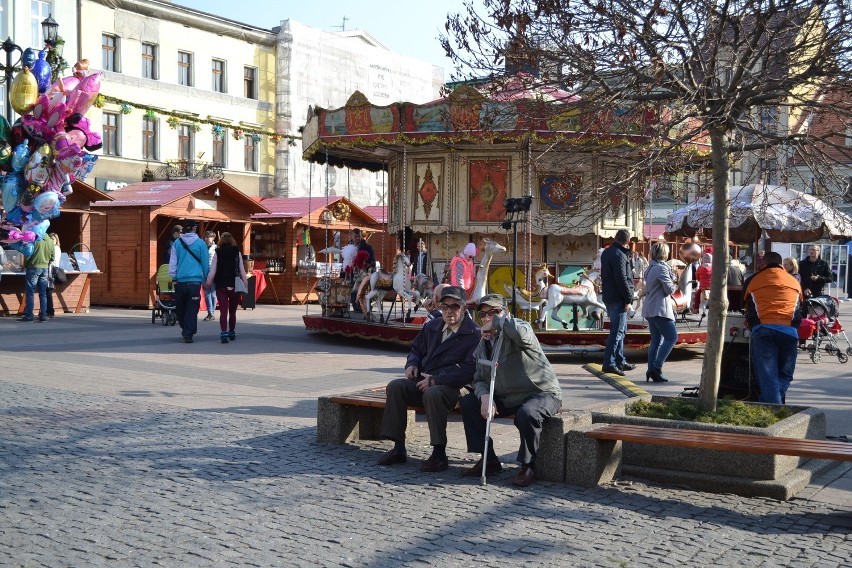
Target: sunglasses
450 307
490 313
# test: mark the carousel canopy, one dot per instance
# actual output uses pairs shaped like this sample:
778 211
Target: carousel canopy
785 214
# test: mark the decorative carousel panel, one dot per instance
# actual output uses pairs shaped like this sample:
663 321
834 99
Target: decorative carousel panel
559 192
393 195
571 249
446 246
488 188
429 180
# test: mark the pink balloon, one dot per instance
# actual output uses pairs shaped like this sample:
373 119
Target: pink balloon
83 96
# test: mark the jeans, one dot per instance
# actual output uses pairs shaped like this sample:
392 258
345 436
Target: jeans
35 278
228 302
210 298
663 339
773 355
614 351
187 303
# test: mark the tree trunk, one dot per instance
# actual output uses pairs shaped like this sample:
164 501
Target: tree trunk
718 305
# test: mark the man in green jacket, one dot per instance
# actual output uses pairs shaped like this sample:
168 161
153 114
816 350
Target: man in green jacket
36 277
525 386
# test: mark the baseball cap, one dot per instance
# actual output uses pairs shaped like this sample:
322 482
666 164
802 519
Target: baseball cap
772 257
453 292
190 225
493 300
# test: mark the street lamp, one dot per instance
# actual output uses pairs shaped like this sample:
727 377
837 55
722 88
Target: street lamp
515 206
50 31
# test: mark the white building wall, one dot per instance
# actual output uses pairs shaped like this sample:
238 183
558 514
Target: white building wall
319 68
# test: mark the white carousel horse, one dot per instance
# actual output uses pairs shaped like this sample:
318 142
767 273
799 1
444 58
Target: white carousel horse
480 286
531 300
423 284
583 294
383 285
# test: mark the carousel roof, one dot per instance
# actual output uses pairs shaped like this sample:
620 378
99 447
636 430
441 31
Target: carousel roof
361 135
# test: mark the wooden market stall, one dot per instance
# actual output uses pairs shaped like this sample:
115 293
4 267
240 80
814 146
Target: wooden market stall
133 238
73 226
287 245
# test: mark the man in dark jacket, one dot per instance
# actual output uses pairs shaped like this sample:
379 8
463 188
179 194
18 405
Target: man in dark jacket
439 364
617 292
814 272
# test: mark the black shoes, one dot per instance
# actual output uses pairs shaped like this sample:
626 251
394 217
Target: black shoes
393 456
612 370
492 467
655 375
187 339
627 366
435 463
25 318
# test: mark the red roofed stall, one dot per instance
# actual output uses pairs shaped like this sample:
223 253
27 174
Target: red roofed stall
133 237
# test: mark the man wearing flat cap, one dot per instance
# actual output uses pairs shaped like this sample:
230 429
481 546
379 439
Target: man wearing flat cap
439 364
525 386
773 302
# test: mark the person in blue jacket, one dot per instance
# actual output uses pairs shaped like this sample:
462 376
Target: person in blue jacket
439 364
189 264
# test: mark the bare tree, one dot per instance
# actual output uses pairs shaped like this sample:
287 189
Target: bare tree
730 82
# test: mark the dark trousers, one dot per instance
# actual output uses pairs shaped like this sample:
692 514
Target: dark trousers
529 417
228 301
438 400
187 303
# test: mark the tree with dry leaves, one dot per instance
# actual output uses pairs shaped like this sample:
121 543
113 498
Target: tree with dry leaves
733 84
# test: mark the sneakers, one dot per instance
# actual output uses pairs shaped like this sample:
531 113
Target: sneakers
187 339
223 337
210 317
25 318
232 335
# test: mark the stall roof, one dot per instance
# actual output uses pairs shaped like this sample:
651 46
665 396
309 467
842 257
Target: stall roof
378 212
85 192
298 207
159 193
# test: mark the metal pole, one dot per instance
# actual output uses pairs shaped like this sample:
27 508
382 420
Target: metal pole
8 80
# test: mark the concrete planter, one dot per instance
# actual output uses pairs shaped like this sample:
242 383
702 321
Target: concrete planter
720 471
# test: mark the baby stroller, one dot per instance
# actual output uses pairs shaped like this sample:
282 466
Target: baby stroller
164 309
820 329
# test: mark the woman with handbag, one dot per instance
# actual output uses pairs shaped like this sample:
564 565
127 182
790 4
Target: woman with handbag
228 273
51 281
658 309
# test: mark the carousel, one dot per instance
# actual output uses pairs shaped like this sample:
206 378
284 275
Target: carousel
465 171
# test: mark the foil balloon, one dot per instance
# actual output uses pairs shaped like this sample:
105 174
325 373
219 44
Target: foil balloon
16 216
20 157
17 235
26 248
12 185
5 154
84 94
24 92
41 71
28 57
5 128
38 168
86 168
46 205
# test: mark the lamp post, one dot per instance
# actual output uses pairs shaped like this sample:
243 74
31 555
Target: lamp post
50 31
519 206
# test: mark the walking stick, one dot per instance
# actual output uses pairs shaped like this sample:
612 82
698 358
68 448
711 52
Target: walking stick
493 363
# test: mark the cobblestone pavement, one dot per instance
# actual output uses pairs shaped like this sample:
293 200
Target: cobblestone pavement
137 450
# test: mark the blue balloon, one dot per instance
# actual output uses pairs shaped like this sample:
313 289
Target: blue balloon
41 71
28 58
16 216
11 190
20 157
40 229
24 247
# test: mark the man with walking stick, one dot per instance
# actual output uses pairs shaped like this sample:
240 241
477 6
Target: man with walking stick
524 385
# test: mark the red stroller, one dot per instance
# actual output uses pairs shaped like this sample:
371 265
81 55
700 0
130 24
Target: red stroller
821 328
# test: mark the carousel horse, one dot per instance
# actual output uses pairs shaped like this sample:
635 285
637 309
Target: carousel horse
531 300
480 286
423 284
386 286
583 294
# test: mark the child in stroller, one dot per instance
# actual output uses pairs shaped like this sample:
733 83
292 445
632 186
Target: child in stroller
164 309
821 326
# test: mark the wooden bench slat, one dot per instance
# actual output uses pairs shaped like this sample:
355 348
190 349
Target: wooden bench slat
726 441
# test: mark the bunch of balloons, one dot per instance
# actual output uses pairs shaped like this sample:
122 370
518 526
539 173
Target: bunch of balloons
46 149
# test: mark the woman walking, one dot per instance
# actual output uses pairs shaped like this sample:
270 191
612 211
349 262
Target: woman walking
51 284
227 266
657 308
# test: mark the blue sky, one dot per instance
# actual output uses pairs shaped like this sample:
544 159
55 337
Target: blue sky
409 28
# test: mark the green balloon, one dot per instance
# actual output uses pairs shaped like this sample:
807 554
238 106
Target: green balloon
5 130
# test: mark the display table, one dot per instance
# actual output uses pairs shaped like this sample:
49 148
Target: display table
71 297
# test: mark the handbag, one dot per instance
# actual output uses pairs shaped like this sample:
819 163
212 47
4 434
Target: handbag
59 275
239 286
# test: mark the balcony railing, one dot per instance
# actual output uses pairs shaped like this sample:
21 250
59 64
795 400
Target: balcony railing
187 169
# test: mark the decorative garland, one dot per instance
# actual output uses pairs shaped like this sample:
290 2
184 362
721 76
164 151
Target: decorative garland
175 118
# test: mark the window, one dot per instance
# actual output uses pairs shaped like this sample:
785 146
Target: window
110 135
218 70
769 119
251 153
149 139
109 49
184 68
250 82
39 11
185 142
219 149
149 61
